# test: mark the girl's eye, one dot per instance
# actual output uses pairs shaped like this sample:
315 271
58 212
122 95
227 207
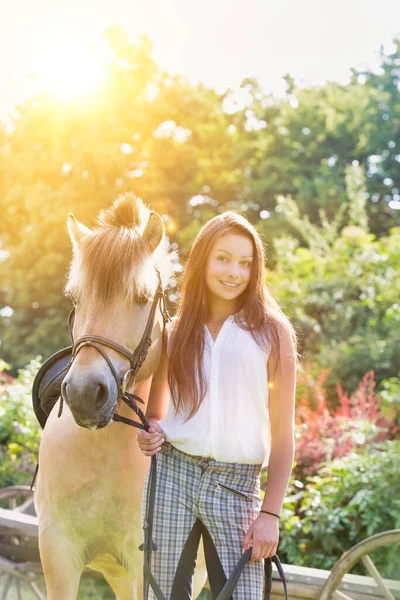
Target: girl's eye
222 258
246 263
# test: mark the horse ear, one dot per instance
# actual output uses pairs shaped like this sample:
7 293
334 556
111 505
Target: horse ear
154 231
76 230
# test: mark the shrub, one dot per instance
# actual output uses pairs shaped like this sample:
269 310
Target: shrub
19 429
324 433
390 395
340 287
346 501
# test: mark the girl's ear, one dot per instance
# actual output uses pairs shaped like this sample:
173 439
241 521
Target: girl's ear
154 231
76 230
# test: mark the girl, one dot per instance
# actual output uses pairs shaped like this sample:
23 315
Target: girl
228 366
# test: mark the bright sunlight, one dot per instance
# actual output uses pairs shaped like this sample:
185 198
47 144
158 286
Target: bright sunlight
70 70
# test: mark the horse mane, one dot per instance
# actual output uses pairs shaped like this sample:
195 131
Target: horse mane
113 262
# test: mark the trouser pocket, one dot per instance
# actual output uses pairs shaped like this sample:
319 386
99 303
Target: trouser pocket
234 491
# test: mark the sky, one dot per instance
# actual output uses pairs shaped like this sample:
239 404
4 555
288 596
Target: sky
219 42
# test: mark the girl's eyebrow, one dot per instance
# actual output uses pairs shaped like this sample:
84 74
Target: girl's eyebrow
227 252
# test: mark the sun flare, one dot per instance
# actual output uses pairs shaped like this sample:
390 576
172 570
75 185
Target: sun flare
69 70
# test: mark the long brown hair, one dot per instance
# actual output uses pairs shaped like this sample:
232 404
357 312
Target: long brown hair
257 312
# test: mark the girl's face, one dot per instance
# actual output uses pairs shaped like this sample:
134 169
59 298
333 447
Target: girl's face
228 267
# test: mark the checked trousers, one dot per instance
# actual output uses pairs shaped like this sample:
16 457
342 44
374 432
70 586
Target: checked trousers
200 496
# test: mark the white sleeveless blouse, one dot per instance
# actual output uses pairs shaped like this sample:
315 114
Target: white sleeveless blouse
232 423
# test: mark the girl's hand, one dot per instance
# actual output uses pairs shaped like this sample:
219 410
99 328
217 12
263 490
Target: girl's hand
263 536
150 441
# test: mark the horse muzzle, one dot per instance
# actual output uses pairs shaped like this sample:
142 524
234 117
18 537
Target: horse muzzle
89 424
92 402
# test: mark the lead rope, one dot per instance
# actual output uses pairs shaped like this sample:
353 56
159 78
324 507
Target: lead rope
149 546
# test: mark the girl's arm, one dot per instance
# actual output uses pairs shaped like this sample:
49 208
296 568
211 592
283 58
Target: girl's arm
263 534
282 391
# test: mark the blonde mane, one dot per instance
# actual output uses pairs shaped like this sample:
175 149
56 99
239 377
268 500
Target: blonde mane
113 262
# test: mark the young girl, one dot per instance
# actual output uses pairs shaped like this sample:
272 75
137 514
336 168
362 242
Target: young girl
221 406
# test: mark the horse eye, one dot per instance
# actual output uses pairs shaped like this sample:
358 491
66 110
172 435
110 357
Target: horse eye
142 298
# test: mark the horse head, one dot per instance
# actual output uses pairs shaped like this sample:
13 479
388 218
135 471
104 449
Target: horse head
114 279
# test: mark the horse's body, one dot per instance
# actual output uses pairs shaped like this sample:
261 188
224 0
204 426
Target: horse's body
90 481
88 497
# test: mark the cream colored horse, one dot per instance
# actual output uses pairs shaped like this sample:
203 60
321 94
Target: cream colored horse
90 480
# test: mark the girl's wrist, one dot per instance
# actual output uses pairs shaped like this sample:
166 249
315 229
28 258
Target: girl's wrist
268 512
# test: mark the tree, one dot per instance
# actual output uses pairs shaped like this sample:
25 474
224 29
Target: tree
341 289
187 151
145 132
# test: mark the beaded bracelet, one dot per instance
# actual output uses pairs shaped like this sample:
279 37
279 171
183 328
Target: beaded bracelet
267 512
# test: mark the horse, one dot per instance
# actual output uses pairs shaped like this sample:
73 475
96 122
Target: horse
90 481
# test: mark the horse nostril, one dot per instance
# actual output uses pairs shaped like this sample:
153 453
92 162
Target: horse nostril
101 396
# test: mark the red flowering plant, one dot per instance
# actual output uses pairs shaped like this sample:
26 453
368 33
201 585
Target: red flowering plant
324 433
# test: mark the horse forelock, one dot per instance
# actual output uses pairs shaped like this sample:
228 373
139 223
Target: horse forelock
113 262
126 211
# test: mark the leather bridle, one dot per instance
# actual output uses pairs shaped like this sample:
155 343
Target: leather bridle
135 358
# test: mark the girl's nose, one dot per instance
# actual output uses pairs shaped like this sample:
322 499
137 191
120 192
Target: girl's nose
233 271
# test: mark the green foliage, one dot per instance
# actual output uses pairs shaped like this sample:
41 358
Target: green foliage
145 132
19 429
205 594
341 290
348 500
311 136
94 589
390 398
169 141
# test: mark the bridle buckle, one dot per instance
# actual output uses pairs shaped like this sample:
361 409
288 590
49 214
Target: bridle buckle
124 381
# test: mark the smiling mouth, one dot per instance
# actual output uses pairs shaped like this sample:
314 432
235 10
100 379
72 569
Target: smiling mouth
230 285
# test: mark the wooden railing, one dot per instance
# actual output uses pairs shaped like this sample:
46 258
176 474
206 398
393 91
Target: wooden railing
306 584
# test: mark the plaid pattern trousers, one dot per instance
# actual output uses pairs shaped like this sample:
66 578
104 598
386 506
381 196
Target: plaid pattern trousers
225 497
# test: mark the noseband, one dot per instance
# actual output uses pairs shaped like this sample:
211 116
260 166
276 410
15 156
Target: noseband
135 358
